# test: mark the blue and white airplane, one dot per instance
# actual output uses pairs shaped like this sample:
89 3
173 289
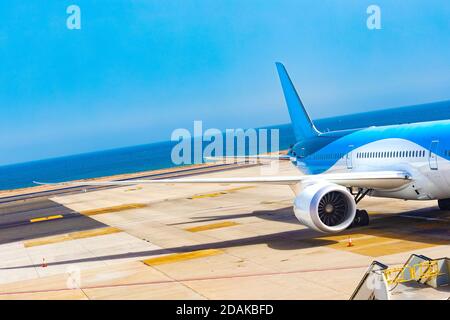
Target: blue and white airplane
407 161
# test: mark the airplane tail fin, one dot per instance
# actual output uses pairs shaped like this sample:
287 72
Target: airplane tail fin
301 122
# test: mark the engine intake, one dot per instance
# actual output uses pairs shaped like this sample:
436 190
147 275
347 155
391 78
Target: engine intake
325 207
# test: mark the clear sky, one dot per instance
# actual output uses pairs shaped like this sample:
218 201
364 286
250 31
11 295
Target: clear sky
139 69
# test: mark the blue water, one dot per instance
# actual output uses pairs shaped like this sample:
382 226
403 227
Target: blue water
158 155
104 163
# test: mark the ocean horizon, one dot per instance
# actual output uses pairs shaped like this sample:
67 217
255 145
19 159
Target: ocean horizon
157 155
133 159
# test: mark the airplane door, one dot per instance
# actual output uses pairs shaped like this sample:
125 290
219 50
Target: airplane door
439 186
349 158
433 155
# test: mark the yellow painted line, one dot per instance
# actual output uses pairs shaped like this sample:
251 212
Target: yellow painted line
375 245
207 195
118 208
390 235
240 188
392 247
46 218
212 226
219 193
93 232
133 189
70 236
176 257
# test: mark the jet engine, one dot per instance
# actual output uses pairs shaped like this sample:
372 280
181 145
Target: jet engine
325 207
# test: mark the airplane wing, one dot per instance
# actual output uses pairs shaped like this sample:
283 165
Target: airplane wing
370 180
256 157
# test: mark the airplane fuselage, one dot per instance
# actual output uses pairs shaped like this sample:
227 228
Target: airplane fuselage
420 149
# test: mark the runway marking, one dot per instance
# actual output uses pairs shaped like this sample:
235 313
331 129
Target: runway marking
207 195
177 257
133 189
219 193
46 218
118 208
212 226
240 188
391 235
70 236
378 245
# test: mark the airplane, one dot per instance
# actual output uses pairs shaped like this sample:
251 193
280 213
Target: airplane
339 168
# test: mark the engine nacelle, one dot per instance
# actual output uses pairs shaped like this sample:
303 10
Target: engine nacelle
325 207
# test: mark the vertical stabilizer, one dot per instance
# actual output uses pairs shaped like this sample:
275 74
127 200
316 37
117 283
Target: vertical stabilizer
301 122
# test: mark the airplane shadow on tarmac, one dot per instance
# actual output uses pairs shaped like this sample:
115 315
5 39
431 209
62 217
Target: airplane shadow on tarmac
427 225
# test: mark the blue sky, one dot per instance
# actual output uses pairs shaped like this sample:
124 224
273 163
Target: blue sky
139 69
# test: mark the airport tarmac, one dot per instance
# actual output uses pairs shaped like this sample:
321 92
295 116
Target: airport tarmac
231 241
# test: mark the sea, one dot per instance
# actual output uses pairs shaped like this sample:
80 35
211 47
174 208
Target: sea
157 155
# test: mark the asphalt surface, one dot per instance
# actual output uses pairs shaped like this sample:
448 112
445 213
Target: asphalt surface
20 215
16 220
